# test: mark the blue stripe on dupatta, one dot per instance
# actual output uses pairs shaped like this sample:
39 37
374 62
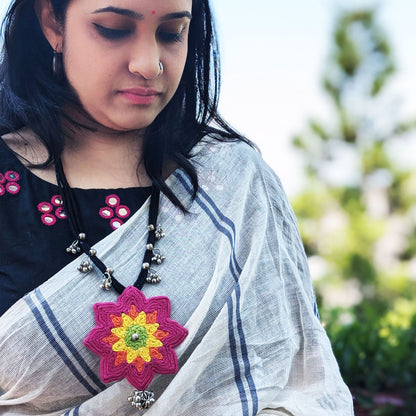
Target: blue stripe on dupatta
71 347
75 411
227 221
210 208
57 347
316 310
234 357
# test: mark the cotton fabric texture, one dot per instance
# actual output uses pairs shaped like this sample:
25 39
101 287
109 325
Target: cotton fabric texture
237 278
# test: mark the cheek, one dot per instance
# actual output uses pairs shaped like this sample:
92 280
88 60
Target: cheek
86 65
177 65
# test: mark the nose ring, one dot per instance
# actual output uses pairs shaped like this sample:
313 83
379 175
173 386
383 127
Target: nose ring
160 68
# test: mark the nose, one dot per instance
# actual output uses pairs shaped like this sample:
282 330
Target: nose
145 60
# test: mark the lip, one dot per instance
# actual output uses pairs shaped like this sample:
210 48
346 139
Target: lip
139 95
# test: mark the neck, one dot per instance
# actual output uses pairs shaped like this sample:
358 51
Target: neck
104 159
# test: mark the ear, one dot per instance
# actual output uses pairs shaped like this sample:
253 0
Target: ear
52 30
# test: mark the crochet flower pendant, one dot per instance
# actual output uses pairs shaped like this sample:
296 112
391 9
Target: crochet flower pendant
135 338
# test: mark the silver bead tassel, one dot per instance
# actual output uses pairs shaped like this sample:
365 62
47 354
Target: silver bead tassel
158 257
108 279
153 277
74 248
85 266
141 399
159 232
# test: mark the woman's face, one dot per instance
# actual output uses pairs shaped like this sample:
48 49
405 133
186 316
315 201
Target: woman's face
112 50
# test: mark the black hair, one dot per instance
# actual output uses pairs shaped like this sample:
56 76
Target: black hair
31 96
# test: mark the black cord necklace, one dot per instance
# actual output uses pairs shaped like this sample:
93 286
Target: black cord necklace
135 336
80 244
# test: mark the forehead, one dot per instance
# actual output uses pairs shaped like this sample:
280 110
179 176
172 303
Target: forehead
143 7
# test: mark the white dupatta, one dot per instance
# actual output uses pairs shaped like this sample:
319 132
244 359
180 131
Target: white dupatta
237 278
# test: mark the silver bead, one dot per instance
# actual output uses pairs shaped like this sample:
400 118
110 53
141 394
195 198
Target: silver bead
135 337
150 227
92 252
82 236
149 247
110 271
145 266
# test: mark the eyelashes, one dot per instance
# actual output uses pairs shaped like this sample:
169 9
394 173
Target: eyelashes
112 34
118 34
168 37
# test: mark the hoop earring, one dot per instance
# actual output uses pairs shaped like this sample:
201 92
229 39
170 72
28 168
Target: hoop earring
57 64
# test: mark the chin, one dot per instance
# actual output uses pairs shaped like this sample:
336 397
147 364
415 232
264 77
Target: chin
129 125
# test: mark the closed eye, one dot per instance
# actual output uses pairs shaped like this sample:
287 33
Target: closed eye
168 37
112 34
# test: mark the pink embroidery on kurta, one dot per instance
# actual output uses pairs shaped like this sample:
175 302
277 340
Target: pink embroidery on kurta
9 183
106 213
12 176
52 210
114 211
122 211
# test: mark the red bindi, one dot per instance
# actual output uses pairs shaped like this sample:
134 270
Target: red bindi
153 11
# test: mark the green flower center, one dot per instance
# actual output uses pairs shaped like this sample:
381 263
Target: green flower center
136 337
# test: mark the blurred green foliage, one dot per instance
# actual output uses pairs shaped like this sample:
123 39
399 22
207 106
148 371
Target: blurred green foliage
357 217
377 357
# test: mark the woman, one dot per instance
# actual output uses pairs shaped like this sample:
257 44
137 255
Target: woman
108 110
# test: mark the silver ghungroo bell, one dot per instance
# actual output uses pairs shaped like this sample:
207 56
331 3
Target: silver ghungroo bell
74 248
159 232
141 399
158 257
107 282
153 277
85 266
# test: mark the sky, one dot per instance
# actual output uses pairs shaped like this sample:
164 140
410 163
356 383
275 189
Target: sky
273 54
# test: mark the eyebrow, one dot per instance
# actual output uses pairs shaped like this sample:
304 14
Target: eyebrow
139 16
177 15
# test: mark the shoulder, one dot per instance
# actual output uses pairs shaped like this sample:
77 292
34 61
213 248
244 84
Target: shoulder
25 145
226 156
236 166
22 149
